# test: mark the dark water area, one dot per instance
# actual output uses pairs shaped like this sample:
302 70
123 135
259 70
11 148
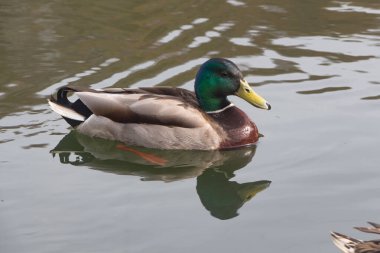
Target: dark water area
316 168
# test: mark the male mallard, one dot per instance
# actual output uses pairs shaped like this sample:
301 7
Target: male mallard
351 245
168 118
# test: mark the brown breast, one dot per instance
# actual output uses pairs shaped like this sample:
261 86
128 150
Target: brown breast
240 130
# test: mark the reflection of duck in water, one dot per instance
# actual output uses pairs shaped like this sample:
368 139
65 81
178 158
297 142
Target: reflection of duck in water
351 245
213 169
223 197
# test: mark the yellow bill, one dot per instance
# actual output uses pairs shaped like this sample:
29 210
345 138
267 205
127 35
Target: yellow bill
246 92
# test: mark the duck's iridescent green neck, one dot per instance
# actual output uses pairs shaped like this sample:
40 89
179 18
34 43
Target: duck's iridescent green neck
208 100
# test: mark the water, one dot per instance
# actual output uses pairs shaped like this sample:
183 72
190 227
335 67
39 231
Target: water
315 170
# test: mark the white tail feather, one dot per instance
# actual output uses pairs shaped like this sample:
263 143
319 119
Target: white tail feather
66 112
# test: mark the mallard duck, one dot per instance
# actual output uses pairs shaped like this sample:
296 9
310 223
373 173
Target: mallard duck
351 245
165 117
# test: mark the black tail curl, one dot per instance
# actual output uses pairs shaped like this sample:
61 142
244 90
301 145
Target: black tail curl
78 106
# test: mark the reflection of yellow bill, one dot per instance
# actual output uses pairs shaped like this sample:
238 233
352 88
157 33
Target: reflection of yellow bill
249 190
247 93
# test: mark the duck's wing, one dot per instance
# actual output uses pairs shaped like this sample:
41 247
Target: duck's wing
351 245
376 225
374 229
368 247
345 243
161 106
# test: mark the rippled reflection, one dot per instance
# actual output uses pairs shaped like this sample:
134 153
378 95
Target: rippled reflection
371 98
323 90
213 169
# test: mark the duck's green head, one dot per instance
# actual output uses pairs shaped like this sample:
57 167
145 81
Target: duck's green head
218 78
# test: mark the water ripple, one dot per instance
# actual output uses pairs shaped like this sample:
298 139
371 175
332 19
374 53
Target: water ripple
176 33
49 90
346 7
323 90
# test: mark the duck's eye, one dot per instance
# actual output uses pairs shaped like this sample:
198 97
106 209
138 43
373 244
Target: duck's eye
224 74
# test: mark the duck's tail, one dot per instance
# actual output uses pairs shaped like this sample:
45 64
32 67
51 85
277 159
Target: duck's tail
344 243
74 113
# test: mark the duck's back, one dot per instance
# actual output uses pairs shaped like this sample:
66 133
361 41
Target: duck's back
165 118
